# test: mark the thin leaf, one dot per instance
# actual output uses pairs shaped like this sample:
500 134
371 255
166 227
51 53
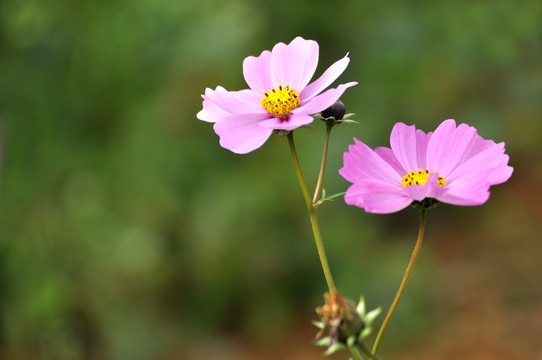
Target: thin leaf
334 348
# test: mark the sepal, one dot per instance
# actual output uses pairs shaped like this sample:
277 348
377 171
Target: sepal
334 348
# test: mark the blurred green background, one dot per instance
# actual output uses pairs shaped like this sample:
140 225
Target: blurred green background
127 232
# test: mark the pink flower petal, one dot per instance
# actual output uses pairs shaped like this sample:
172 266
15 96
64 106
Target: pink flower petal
233 102
242 133
257 72
211 112
430 189
469 183
354 195
477 145
501 172
377 197
295 63
421 152
323 101
416 192
326 79
467 195
422 140
294 121
478 168
403 144
439 148
362 163
452 153
388 156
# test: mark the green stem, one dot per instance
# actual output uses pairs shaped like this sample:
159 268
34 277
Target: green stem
355 353
403 282
312 214
366 352
320 181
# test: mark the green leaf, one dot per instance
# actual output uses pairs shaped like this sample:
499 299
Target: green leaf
329 198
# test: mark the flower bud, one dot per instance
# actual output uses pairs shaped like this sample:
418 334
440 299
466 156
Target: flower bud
342 323
339 318
335 111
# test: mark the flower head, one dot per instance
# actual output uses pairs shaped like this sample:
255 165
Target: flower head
454 165
279 98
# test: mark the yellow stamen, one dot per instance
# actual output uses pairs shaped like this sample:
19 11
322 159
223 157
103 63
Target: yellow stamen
280 102
420 178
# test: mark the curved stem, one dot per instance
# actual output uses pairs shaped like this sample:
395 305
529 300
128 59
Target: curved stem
312 214
320 181
403 282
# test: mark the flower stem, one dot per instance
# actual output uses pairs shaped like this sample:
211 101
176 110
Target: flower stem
355 353
312 214
403 282
320 181
366 352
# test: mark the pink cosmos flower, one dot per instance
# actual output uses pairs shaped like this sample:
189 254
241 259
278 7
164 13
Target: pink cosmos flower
454 165
278 99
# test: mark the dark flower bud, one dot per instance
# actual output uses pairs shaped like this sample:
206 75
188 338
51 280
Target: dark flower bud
336 111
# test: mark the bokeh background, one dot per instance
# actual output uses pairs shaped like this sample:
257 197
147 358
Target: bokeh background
127 232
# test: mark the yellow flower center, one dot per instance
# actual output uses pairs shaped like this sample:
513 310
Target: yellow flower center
420 178
280 102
